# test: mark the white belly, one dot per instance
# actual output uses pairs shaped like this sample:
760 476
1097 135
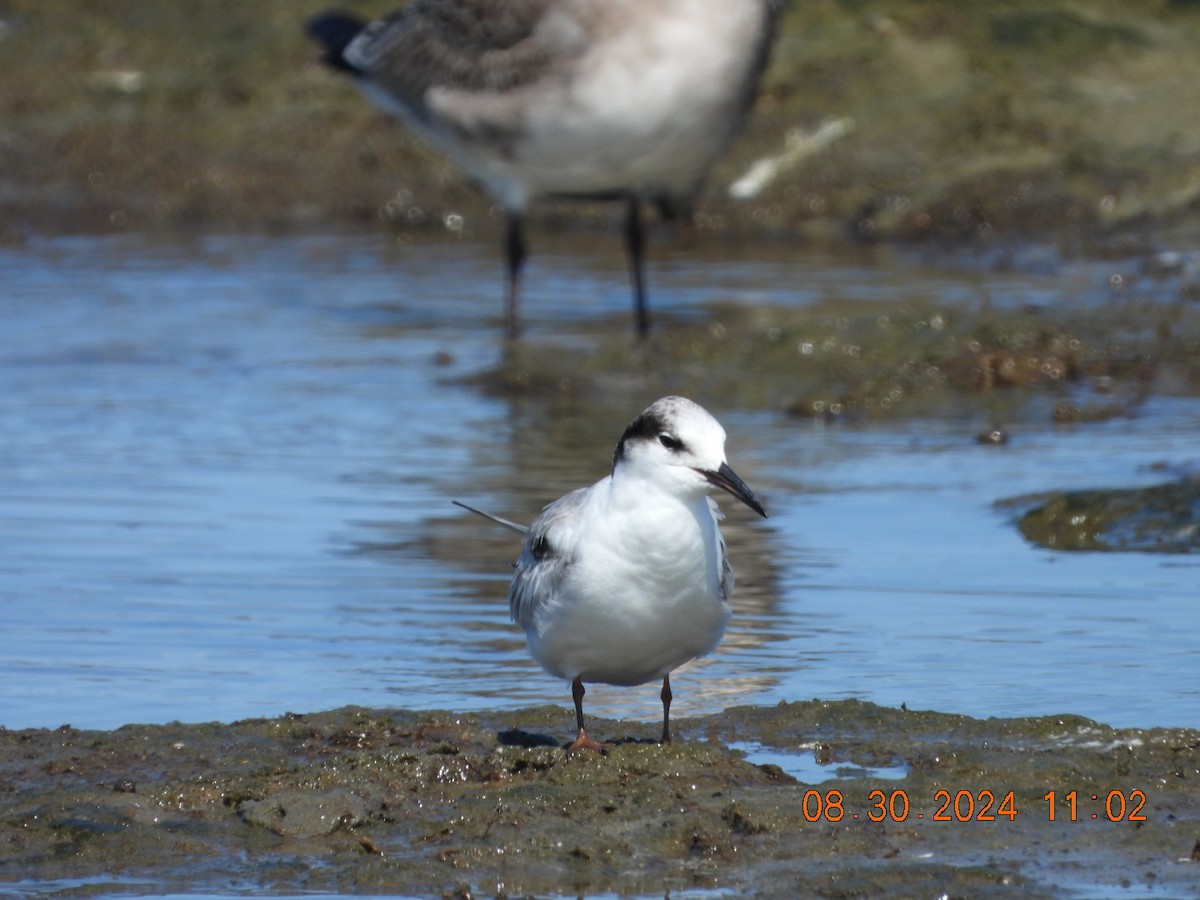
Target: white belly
638 602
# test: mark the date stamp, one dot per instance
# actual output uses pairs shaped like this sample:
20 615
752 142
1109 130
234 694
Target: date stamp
974 806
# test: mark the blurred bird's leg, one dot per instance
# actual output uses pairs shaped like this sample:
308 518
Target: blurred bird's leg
514 255
666 701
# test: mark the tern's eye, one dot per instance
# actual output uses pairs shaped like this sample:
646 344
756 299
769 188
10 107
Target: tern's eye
672 444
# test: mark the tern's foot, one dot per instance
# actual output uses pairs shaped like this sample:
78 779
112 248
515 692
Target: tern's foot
583 742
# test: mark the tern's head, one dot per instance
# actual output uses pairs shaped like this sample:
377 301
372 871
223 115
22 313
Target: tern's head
680 446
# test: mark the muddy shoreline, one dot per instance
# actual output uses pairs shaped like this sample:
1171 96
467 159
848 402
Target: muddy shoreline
446 804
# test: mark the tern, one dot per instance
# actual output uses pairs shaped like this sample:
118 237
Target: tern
624 581
629 100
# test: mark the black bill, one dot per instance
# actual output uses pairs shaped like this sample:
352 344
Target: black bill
727 480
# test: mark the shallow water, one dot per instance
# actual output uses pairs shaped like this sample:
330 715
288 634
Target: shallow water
226 469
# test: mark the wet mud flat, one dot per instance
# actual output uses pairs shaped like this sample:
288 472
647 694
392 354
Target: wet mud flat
446 804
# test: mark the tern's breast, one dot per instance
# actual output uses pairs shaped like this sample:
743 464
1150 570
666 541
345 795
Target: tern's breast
642 596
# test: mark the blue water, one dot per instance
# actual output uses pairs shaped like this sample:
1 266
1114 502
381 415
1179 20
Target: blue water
226 469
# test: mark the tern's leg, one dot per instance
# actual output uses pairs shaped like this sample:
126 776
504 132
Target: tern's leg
582 741
666 699
514 256
634 245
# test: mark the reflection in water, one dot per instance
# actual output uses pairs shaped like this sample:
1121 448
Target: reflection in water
226 472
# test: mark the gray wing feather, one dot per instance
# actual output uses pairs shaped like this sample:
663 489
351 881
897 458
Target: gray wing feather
544 560
469 45
726 568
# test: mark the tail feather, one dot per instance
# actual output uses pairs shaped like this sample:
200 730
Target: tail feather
519 529
336 30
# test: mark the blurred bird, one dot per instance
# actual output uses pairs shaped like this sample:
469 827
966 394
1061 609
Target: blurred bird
624 581
597 99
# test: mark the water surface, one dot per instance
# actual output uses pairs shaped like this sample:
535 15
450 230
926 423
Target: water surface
226 468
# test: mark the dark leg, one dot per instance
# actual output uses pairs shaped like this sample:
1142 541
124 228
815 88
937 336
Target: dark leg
514 255
634 245
582 741
666 699
680 212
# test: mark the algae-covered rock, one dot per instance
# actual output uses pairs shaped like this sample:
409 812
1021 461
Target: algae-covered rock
437 803
1160 519
305 813
875 359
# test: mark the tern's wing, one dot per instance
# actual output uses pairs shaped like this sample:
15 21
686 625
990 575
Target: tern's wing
548 553
723 559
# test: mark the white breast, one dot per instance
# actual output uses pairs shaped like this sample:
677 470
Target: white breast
642 596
